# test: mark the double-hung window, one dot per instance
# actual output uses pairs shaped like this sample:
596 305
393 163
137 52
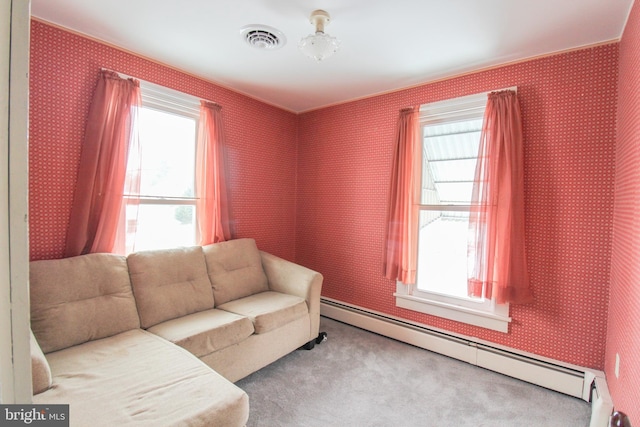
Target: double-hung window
449 148
164 214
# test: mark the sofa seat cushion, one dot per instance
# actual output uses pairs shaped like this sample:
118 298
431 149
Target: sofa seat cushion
268 310
139 378
235 269
205 332
78 299
169 283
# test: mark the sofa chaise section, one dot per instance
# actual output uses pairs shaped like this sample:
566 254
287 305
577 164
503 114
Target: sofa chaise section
138 378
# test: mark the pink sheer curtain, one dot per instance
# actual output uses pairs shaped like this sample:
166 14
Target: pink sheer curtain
98 197
402 223
497 259
211 205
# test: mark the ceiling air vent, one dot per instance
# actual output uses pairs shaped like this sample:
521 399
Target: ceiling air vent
263 37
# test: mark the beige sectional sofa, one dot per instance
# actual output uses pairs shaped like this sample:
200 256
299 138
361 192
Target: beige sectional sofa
159 337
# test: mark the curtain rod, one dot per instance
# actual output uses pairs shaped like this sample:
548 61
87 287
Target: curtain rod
126 76
464 98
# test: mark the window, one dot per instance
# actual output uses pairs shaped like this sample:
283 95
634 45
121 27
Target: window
165 216
450 142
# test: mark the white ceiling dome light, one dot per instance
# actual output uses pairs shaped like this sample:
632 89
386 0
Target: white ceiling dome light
263 37
320 45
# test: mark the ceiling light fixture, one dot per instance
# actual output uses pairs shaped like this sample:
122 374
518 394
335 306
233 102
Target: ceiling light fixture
319 46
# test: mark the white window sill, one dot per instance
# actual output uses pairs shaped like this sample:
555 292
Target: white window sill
483 319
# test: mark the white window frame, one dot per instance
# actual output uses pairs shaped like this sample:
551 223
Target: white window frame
486 313
174 102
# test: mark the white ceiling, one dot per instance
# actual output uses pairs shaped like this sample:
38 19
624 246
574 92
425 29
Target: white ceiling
386 44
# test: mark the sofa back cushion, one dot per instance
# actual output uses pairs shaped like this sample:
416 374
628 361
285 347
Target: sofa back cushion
79 299
169 283
235 269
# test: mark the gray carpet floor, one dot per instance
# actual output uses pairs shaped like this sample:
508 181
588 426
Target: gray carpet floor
358 378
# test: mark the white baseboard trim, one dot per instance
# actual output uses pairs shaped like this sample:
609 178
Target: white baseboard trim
559 376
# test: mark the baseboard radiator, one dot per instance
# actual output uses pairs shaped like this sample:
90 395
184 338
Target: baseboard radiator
583 383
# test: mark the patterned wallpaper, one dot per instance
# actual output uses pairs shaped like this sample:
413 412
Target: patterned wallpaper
261 141
623 335
568 105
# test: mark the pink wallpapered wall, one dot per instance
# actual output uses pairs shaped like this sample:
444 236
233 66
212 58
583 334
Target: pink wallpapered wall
568 106
261 141
623 336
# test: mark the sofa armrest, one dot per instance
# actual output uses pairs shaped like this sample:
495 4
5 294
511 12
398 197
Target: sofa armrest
40 371
291 278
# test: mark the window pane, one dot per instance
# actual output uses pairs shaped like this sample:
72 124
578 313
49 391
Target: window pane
161 226
442 253
449 156
454 170
453 146
459 126
168 154
455 193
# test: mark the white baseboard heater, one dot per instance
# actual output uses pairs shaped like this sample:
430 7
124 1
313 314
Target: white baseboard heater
583 383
